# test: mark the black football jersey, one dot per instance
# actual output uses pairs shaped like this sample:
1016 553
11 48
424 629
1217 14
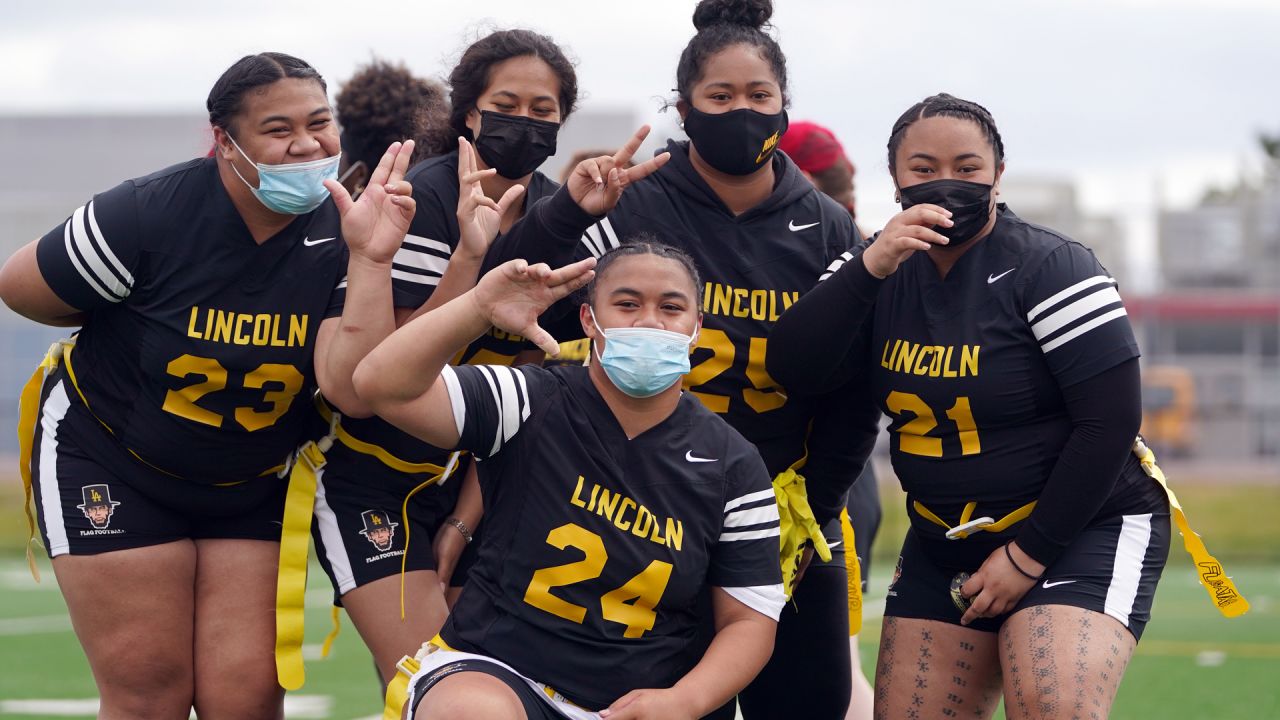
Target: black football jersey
598 549
197 339
969 368
753 266
416 270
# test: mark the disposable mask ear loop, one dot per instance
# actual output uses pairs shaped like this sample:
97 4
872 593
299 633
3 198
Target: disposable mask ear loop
244 155
595 347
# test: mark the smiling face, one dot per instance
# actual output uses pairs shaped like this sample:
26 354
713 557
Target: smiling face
643 290
525 86
737 77
288 121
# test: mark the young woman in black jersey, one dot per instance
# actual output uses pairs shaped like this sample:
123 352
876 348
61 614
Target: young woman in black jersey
761 234
392 513
207 297
1003 355
614 502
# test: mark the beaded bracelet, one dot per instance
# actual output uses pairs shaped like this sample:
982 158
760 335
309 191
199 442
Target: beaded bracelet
466 532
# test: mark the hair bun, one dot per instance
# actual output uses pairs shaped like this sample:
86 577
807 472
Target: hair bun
749 13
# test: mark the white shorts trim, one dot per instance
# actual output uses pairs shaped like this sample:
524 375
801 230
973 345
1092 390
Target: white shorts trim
51 415
335 550
1126 573
439 657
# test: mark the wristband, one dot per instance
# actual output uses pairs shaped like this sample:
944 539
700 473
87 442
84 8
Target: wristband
466 532
1013 562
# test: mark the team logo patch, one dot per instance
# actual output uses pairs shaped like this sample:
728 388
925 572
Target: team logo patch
897 573
379 529
98 505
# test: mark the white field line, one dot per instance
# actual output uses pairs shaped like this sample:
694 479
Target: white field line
295 706
35 625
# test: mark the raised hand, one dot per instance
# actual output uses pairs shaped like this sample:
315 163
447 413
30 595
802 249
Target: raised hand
513 295
597 183
375 225
479 217
908 231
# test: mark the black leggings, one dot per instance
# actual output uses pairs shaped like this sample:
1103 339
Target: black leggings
809 674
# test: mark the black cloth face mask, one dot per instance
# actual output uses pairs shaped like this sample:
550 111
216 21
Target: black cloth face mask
737 142
969 203
515 145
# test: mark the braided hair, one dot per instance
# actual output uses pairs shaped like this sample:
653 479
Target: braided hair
643 244
944 105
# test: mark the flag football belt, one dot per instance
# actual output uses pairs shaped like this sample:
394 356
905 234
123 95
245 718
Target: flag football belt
1222 591
28 412
295 536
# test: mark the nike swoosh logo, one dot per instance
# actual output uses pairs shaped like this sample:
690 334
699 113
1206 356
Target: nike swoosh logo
993 278
309 242
1048 584
689 456
797 228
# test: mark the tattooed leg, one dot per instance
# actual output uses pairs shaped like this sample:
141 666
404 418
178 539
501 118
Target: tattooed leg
931 669
1062 662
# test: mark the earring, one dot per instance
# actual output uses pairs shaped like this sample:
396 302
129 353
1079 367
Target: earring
897 198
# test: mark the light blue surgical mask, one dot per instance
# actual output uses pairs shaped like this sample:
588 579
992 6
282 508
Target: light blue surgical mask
291 188
642 362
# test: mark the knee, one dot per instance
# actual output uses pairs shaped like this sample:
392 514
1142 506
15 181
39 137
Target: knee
147 689
246 689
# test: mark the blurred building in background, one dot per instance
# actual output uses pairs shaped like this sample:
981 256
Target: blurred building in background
1217 319
1053 203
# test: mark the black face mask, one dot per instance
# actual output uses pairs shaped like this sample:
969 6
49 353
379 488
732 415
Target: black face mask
515 145
969 203
737 142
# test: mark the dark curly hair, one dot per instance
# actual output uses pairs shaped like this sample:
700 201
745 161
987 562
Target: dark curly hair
250 72
474 71
720 24
944 105
383 103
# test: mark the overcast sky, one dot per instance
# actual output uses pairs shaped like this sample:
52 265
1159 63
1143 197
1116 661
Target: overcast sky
1123 96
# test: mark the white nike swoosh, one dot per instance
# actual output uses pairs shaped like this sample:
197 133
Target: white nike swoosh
993 278
309 242
689 456
797 228
1048 584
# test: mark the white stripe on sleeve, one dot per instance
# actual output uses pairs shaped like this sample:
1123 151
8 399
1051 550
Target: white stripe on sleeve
509 408
409 277
418 260
767 600
487 372
455 398
836 265
80 268
610 236
429 243
1063 295
591 238
106 248
94 257
1064 316
1082 329
748 498
752 516
739 535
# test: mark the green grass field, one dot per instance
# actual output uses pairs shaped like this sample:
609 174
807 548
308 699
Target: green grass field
1191 664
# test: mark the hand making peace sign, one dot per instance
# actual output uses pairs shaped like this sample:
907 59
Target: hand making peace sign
479 217
597 183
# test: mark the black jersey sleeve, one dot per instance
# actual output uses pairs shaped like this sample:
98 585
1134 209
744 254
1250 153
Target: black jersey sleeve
744 561
491 403
814 343
89 260
840 440
1075 313
424 255
1105 412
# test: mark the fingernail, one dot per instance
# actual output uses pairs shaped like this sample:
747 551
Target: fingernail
950 222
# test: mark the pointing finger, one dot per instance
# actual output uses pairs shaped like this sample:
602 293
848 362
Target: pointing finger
628 150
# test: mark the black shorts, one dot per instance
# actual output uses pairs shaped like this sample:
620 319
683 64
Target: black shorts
358 528
93 496
1111 568
535 707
